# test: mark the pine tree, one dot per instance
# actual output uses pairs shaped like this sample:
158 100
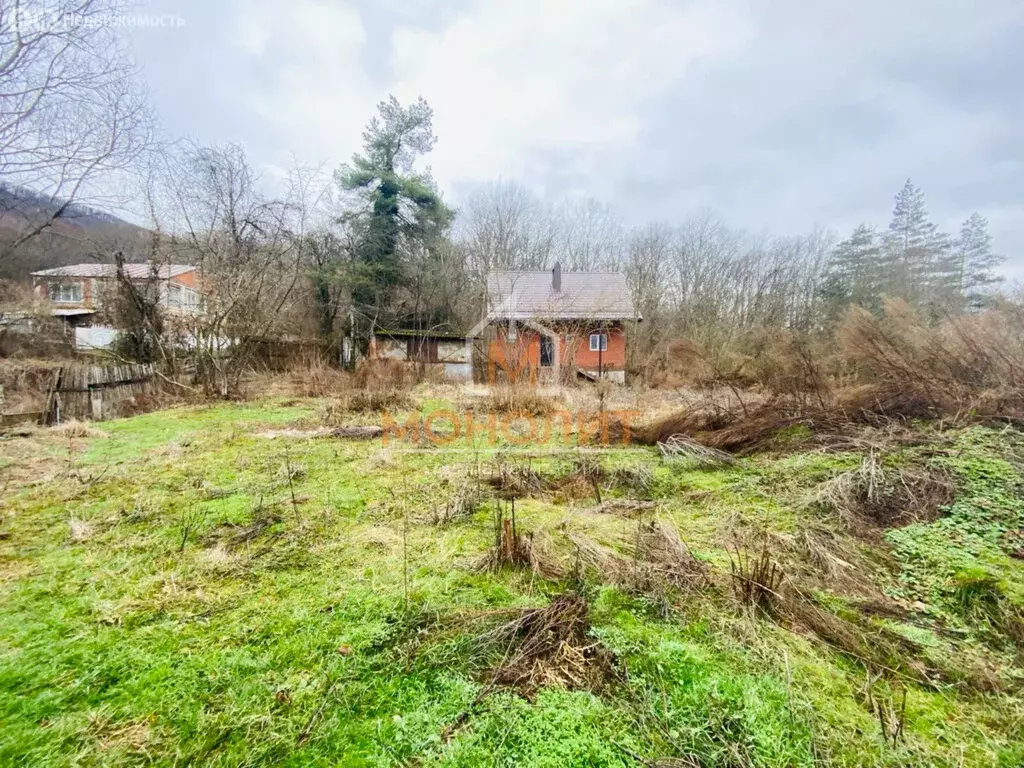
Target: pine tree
917 262
854 267
975 262
399 209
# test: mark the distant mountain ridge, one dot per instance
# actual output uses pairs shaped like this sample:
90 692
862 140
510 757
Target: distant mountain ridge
82 233
23 200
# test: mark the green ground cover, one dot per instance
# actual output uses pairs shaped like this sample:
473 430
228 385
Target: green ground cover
202 586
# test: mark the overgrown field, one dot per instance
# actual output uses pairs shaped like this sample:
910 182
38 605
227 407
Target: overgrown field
237 585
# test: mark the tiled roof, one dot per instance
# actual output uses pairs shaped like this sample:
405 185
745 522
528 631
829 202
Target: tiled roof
583 296
134 271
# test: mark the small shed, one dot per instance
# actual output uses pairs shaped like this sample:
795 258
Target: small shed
445 350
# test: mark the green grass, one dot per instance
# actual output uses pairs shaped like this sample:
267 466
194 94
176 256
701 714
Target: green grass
343 633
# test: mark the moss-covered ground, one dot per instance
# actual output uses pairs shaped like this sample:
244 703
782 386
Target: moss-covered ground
200 586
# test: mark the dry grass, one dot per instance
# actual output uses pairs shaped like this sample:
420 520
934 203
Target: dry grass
887 496
319 380
625 507
551 647
651 561
77 429
740 431
969 362
463 503
584 479
875 370
513 549
81 530
756 579
337 410
520 400
680 447
829 560
514 479
384 375
664 558
638 478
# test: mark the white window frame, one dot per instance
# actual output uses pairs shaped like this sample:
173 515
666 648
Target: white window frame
174 296
599 342
67 293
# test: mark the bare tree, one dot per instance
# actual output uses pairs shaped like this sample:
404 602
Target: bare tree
249 250
590 235
70 108
504 226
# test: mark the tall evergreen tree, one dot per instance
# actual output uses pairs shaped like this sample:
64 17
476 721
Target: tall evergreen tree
854 269
917 261
400 208
974 259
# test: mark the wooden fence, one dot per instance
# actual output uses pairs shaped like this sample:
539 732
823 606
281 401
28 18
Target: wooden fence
97 392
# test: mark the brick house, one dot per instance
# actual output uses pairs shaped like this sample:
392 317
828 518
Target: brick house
79 292
547 326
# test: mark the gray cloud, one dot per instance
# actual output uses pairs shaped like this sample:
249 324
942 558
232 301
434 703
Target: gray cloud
777 115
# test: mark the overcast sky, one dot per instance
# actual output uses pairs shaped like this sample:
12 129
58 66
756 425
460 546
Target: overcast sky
777 115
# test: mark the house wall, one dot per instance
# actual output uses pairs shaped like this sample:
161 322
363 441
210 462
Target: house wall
95 337
385 348
520 359
97 290
450 351
612 359
42 289
188 279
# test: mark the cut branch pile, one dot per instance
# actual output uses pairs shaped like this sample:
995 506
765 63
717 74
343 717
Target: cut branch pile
514 480
551 647
655 560
682 447
887 496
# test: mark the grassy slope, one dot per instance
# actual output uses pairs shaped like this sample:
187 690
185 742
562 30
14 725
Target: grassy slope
303 647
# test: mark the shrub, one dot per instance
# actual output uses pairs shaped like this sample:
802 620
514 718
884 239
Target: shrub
317 379
509 398
384 374
972 362
364 401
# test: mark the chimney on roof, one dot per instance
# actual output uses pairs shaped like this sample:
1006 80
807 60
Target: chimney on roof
556 277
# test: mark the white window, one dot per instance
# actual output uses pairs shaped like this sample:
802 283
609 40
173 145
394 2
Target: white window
179 297
66 293
599 342
174 296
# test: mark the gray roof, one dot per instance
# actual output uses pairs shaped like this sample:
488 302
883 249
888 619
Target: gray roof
584 296
134 271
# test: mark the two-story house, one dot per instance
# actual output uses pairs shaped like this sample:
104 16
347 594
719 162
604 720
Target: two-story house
79 292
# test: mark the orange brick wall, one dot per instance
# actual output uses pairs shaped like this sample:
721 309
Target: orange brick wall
188 279
574 348
612 359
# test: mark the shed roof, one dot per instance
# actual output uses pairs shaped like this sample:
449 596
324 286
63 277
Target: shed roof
583 296
140 271
404 333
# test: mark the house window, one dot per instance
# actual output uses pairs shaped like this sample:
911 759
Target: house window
179 297
174 296
599 342
66 293
547 352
